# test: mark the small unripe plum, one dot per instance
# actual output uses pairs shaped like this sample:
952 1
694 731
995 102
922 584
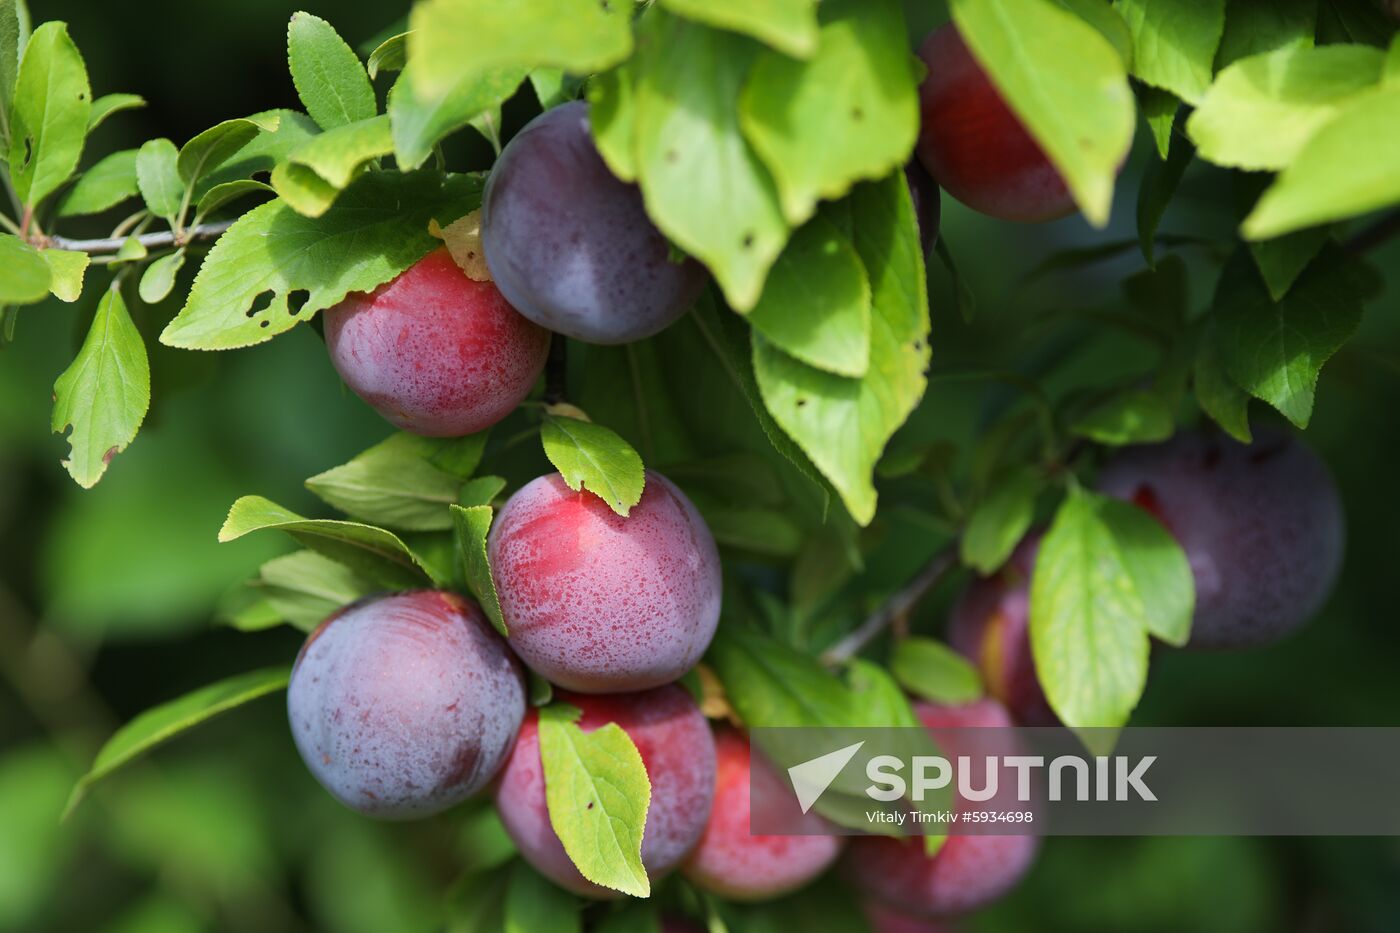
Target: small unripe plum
571 245
403 705
1261 524
740 866
990 625
928 206
974 146
435 352
600 603
679 753
968 872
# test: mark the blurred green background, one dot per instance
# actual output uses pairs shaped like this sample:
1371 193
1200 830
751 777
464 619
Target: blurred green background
107 596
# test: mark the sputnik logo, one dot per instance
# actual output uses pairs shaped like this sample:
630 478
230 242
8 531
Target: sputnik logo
810 779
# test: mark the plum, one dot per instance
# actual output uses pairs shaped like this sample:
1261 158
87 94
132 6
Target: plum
403 705
883 919
974 146
1261 524
679 753
740 866
571 246
599 603
435 352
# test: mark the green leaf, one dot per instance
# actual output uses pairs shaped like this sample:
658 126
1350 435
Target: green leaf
932 670
10 32
158 177
159 278
1174 44
394 484
1159 109
813 406
535 904
24 276
1275 350
1346 169
790 26
66 270
598 794
1256 26
772 684
109 104
1108 21
612 107
1099 565
303 190
1281 260
49 115
1000 520
815 305
1262 111
554 87
377 228
1065 82
219 143
452 38
304 587
336 155
421 119
372 552
482 490
1218 395
1136 416
704 186
103 395
1159 184
471 526
962 291
329 78
265 152
108 183
162 723
389 55
219 195
590 456
848 114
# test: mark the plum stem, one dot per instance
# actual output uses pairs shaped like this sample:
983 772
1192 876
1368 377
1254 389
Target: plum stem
898 606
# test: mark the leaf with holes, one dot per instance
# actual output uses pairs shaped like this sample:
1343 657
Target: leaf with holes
590 456
49 114
329 78
376 229
471 525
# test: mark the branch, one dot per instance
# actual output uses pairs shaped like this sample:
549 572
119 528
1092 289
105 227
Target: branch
896 607
148 240
1374 235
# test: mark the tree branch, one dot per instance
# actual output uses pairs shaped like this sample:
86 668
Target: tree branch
148 240
896 607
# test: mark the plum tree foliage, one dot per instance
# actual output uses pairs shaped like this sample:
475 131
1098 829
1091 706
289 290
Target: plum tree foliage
703 275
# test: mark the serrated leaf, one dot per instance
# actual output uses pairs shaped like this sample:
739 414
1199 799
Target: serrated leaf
814 406
598 793
1218 395
1066 83
703 185
535 904
219 143
1261 112
24 276
1274 351
159 278
1136 416
1000 520
930 669
471 525
1346 169
394 484
49 114
850 113
336 155
66 270
790 26
815 304
452 38
590 456
103 395
219 195
421 119
1256 26
377 228
158 177
389 55
372 552
329 78
108 183
1174 43
109 104
304 587
162 723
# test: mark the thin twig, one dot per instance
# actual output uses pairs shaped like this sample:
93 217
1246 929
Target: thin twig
896 607
1374 235
148 240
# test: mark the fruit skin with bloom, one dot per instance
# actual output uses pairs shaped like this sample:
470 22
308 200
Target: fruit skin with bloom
404 705
435 352
678 751
975 147
1261 524
599 603
737 865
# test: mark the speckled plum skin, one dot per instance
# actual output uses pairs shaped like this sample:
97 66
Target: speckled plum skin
599 603
1261 524
404 705
974 146
571 246
737 865
434 352
990 625
679 753
969 872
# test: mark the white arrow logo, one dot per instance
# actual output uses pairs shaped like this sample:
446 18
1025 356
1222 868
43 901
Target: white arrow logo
811 778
